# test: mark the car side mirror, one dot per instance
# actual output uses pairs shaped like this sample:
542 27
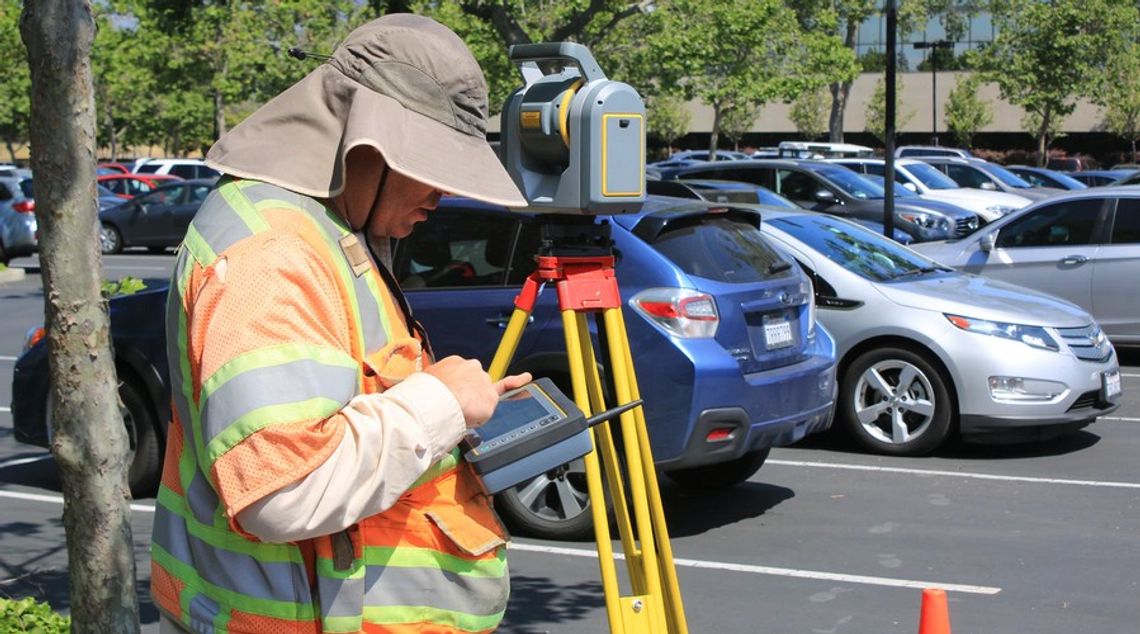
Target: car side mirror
825 197
911 187
988 242
988 186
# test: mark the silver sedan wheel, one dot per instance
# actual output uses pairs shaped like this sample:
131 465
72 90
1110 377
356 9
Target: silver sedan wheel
557 495
894 401
109 241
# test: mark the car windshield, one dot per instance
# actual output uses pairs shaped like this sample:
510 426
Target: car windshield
721 248
1006 176
864 253
930 176
852 183
900 191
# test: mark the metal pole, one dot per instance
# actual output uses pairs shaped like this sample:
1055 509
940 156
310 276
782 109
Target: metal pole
934 95
889 129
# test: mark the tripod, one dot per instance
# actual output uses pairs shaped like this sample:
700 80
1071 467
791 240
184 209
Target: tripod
578 258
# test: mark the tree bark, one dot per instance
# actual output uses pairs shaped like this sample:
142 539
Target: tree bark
89 442
840 91
714 137
1042 138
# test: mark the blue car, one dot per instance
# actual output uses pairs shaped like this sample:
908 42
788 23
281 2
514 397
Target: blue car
1043 177
729 357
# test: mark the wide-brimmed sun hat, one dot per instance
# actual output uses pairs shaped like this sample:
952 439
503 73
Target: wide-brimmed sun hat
403 84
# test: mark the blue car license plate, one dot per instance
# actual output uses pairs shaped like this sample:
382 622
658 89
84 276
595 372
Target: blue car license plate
777 333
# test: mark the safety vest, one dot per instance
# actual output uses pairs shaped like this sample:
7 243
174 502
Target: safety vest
251 421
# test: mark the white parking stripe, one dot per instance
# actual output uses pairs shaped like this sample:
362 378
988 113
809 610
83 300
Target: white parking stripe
770 570
5 409
1134 376
19 461
1130 420
687 563
956 474
136 268
56 499
7 358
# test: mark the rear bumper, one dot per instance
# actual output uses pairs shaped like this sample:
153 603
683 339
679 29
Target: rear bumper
749 412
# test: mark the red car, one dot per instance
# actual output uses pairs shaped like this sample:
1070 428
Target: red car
128 186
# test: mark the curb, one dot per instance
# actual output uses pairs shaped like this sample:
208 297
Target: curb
11 275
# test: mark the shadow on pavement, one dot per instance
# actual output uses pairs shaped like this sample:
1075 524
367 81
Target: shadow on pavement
691 512
958 450
538 601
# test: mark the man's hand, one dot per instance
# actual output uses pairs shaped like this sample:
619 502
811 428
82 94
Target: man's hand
473 388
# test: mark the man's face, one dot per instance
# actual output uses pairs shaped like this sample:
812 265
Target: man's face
401 204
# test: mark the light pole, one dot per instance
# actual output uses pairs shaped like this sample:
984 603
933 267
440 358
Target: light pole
932 57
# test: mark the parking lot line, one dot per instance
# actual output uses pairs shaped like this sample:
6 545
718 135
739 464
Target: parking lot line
7 358
774 571
956 474
5 409
1130 420
687 563
19 461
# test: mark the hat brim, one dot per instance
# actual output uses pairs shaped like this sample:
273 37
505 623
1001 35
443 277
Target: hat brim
299 139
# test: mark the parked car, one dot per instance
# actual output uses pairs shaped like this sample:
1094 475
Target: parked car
17 216
912 151
109 167
988 176
729 359
127 186
821 150
931 184
1081 246
1043 177
926 352
156 220
1100 178
1130 179
1072 163
834 189
736 192
183 168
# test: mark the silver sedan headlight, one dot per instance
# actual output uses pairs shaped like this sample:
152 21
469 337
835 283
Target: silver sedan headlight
1033 336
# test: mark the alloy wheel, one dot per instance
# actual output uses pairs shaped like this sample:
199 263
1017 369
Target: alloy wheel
894 401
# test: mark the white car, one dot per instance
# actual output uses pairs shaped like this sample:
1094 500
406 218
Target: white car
931 184
183 168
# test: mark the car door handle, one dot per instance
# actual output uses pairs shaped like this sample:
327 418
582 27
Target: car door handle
1074 259
502 320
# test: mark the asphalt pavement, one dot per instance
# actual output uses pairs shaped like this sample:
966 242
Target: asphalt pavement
1028 538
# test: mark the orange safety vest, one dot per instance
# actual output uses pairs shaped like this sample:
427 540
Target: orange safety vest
297 323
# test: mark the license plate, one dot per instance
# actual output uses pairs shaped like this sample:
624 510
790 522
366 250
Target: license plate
1111 385
777 334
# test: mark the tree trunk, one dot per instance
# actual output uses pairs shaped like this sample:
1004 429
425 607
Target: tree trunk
1042 138
12 150
714 137
89 442
839 94
219 114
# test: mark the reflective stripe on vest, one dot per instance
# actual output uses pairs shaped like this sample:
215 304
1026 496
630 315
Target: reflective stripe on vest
214 579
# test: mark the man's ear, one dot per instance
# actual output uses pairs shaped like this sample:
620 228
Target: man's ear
364 171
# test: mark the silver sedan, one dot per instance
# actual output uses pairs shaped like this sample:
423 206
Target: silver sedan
926 350
1082 246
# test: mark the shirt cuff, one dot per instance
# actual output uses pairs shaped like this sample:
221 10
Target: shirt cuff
435 407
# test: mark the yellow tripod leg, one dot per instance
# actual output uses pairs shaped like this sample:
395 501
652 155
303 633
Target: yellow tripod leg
593 476
675 609
508 344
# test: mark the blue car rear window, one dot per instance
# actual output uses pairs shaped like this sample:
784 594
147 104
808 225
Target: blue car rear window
723 249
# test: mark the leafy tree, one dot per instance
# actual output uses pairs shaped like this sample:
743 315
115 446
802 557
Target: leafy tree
1048 53
14 80
711 50
809 110
89 440
668 119
737 121
1119 94
877 110
966 113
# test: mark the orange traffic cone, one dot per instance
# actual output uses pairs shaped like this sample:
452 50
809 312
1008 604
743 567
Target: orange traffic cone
935 615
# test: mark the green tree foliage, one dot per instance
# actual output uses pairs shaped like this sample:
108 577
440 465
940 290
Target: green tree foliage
15 80
1119 94
668 119
1048 53
809 113
965 112
740 54
736 121
26 615
877 110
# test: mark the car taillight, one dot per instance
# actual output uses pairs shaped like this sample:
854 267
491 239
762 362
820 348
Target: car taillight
681 312
24 207
33 336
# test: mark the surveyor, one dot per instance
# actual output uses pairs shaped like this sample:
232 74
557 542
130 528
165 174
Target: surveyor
312 481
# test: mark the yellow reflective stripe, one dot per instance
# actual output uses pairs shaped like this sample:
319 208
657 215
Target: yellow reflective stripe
226 539
230 599
274 355
424 614
242 428
404 557
245 210
198 247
